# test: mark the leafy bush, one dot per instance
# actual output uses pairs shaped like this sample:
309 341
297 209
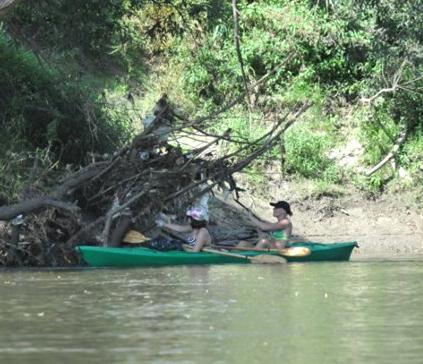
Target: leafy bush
17 168
305 155
95 27
411 156
378 133
343 51
42 108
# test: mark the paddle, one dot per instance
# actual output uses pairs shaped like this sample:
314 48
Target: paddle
134 237
246 208
260 259
295 251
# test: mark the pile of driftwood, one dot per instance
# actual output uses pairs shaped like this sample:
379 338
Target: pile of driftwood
99 203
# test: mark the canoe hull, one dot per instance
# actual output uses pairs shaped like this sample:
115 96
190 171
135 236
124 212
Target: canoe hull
143 257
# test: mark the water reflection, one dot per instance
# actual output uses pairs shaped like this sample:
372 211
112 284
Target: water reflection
299 313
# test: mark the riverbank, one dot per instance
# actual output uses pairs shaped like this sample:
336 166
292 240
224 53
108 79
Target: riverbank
389 226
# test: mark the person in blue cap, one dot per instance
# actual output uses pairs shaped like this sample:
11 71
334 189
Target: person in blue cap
278 233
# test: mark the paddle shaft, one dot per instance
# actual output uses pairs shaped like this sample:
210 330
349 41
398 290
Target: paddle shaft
245 248
284 252
246 209
262 259
227 254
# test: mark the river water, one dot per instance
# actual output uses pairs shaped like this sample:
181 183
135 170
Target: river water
350 312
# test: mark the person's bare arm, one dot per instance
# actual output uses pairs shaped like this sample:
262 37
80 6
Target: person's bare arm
269 226
178 228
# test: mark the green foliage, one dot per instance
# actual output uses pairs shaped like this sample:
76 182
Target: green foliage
342 51
329 51
255 175
411 156
376 182
378 133
110 32
96 27
17 168
370 186
42 108
305 155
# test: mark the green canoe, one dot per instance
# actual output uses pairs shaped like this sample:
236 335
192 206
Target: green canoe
140 257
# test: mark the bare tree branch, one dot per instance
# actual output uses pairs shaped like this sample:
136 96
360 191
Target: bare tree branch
394 85
401 139
189 123
4 4
9 212
237 41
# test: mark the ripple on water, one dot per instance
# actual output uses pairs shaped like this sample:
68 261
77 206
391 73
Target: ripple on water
358 311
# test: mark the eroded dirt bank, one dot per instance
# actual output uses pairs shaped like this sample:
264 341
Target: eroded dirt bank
390 226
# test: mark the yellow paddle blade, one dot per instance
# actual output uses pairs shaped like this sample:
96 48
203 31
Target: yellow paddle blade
267 259
295 251
134 237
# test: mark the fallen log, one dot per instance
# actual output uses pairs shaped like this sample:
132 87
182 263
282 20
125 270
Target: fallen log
29 206
127 190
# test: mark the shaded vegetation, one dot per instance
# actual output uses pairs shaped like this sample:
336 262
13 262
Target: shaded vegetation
85 73
44 108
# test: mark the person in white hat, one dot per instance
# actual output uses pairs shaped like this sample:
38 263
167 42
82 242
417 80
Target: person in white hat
200 236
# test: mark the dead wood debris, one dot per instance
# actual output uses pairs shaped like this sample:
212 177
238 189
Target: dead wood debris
127 189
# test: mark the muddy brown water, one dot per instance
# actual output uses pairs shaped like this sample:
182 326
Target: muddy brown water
363 311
